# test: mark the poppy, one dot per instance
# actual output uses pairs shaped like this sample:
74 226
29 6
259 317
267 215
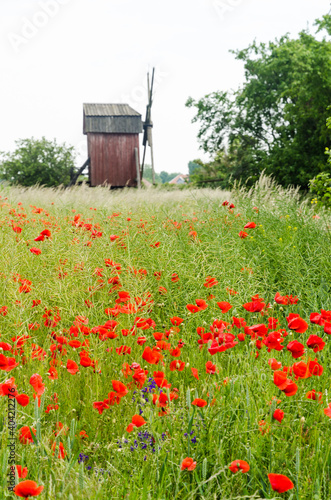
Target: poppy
137 421
296 349
120 388
27 489
210 281
195 373
62 452
280 483
177 365
316 343
224 306
314 395
315 368
37 384
100 406
36 251
274 364
25 435
286 299
23 399
188 463
52 373
152 356
278 415
327 411
250 225
290 389
210 368
199 402
254 306
72 367
296 323
243 234
239 465
21 472
176 321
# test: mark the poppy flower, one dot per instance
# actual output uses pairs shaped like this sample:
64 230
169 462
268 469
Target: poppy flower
23 399
36 251
52 373
176 321
224 306
25 435
280 483
100 406
296 323
254 306
315 368
316 343
243 234
137 421
314 395
195 373
178 365
239 465
286 299
22 473
210 281
290 389
278 415
152 356
296 349
72 367
62 452
210 368
274 364
327 411
199 402
27 489
301 370
37 383
250 225
188 463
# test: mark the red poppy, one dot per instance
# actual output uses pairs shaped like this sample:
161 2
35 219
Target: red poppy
199 402
290 389
286 299
62 452
296 349
210 368
37 383
177 365
315 368
23 399
316 343
52 373
72 367
27 489
195 373
176 321
152 356
278 415
243 234
296 323
254 306
210 281
314 395
22 473
327 411
25 435
250 225
274 364
100 406
239 465
280 483
224 306
36 251
137 421
188 463
120 388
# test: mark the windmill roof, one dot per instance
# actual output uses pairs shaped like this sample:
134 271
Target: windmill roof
109 110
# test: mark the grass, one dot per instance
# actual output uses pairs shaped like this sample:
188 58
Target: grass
197 236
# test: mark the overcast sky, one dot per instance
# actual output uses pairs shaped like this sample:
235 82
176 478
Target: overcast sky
58 54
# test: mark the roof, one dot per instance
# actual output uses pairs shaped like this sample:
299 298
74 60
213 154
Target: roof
179 179
109 110
111 119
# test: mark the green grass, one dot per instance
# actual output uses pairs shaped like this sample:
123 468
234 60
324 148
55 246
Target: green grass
287 252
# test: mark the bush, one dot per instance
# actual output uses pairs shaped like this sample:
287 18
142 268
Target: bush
320 186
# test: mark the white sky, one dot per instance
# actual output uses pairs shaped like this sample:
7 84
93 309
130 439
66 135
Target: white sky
58 54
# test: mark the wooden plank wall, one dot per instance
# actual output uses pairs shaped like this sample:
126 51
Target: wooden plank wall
112 159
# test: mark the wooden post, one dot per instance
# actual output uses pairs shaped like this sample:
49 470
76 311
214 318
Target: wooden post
138 168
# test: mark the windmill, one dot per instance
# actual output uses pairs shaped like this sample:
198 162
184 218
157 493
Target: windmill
148 125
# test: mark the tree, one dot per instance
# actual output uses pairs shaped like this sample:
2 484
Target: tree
148 175
166 177
276 121
40 162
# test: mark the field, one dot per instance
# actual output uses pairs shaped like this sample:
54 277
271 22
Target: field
140 329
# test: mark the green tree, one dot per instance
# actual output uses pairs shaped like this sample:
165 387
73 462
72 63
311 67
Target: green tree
166 177
38 162
276 121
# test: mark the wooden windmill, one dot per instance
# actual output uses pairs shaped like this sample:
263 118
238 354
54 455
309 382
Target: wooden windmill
148 125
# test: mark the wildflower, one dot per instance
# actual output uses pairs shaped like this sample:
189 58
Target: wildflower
188 463
199 402
278 415
239 465
137 421
27 489
280 483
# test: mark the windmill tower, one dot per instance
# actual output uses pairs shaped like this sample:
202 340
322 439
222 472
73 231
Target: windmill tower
148 125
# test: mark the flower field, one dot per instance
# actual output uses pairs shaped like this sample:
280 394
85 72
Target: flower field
164 345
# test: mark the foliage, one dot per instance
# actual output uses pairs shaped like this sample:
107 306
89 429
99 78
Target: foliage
276 121
38 161
193 165
320 187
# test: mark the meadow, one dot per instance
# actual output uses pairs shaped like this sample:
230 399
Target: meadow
156 348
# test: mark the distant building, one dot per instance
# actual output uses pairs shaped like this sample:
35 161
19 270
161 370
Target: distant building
180 179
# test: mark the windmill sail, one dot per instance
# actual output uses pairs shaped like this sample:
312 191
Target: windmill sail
148 125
